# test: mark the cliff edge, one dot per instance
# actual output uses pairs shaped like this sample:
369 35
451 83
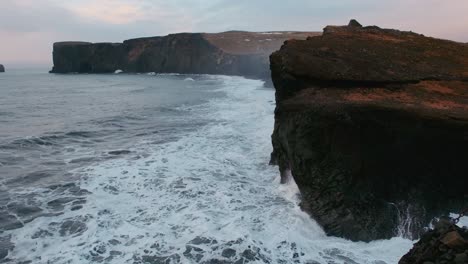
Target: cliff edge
372 125
229 53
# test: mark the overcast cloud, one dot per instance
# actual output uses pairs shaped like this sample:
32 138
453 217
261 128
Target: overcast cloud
28 28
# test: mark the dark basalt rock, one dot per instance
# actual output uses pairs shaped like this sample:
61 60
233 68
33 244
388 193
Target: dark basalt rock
2 68
372 124
446 243
228 53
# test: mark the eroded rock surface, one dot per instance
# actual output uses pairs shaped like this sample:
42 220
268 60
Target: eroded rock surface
372 124
446 243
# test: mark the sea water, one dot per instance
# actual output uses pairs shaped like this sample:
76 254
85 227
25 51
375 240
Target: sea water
152 169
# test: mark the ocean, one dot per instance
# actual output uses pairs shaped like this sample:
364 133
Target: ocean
152 169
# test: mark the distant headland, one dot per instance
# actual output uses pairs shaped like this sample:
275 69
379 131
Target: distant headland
228 53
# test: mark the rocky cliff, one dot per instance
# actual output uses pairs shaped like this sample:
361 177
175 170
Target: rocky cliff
229 53
2 68
445 243
373 125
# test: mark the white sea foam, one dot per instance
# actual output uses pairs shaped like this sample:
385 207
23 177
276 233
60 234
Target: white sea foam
213 184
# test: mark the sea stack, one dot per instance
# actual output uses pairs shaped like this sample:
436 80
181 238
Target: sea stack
2 68
372 125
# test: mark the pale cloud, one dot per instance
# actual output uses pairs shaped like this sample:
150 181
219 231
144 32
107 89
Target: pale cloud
28 28
118 12
113 12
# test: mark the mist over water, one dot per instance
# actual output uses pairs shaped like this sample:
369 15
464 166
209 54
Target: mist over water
152 169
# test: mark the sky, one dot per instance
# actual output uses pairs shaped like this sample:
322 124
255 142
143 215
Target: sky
28 28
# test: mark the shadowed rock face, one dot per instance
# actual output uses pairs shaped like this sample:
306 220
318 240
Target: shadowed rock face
229 53
446 243
2 68
373 125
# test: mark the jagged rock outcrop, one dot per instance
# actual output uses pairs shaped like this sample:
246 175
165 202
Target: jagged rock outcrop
2 68
445 243
229 53
372 124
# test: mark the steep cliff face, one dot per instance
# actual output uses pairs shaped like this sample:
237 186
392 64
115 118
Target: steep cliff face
84 57
230 53
372 124
2 68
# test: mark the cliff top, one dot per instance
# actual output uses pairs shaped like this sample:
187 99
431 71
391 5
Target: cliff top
372 54
243 42
234 42
355 66
70 43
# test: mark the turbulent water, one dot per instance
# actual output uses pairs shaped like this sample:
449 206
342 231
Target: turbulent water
152 169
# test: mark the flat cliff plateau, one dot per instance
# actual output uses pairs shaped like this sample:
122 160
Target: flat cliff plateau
229 53
372 124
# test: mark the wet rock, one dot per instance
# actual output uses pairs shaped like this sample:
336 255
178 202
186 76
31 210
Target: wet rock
461 258
454 240
444 244
368 121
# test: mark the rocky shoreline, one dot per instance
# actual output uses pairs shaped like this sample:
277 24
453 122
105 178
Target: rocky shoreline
371 123
446 243
229 53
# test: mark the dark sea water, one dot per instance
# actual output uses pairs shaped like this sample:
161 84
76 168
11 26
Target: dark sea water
151 169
